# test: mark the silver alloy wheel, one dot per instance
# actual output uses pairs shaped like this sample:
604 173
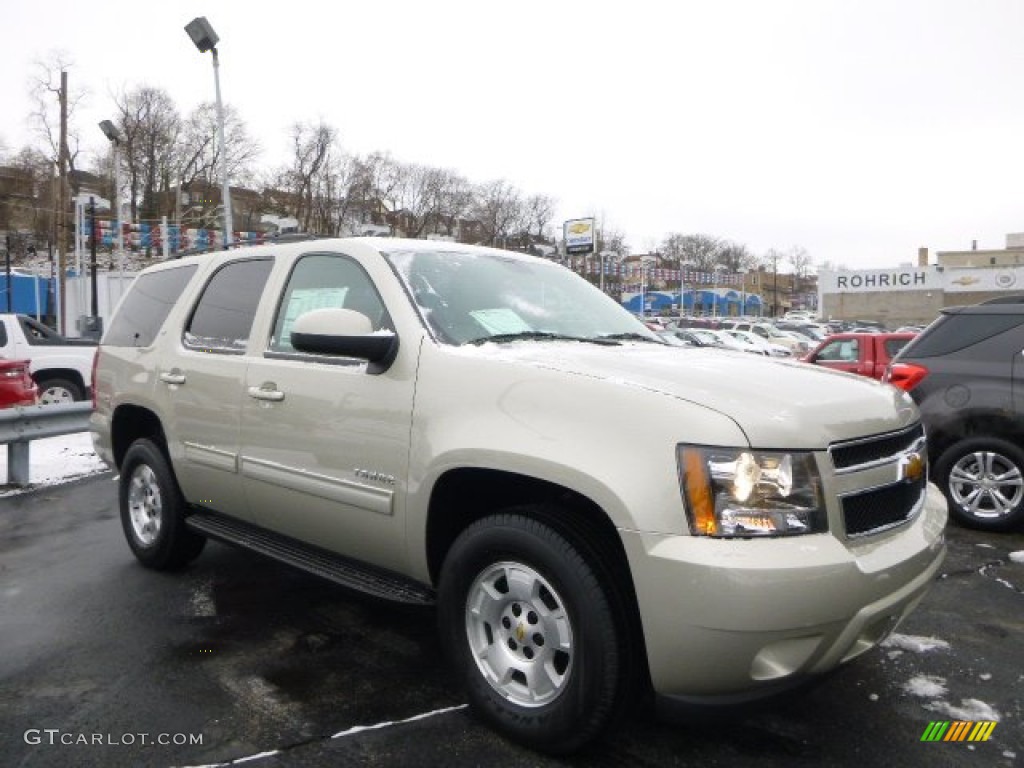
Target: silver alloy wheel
145 505
986 485
52 395
519 633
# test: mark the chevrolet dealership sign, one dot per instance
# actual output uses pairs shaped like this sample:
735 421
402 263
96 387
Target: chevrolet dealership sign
579 236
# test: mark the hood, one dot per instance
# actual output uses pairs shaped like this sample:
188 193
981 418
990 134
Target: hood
777 403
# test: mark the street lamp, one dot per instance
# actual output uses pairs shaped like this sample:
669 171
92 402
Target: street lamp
206 39
111 132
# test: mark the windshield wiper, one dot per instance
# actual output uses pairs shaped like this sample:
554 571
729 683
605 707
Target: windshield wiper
537 336
631 336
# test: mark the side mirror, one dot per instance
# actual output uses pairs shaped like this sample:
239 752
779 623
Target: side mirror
347 333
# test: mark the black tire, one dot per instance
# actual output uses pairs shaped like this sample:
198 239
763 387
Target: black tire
59 391
983 481
153 510
565 709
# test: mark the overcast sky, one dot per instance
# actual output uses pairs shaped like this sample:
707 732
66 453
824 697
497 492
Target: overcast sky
857 129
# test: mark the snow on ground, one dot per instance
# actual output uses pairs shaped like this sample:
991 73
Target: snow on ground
914 643
969 709
1017 557
55 460
926 686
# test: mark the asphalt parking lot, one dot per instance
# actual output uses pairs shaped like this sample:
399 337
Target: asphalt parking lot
240 659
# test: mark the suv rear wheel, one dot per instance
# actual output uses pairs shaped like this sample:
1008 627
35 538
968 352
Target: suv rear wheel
153 510
983 480
525 618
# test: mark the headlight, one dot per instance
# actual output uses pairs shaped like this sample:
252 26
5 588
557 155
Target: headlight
735 492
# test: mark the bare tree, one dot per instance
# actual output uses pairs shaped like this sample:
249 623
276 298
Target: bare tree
538 211
800 260
734 257
44 90
199 158
150 126
701 252
311 150
498 207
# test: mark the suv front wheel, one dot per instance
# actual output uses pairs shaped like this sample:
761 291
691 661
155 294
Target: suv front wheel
983 480
528 623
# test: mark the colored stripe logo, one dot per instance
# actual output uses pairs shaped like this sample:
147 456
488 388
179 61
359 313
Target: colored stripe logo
958 730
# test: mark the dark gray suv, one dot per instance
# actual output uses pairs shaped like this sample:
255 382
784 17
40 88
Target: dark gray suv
966 373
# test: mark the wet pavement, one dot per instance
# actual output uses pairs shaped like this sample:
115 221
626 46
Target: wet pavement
103 663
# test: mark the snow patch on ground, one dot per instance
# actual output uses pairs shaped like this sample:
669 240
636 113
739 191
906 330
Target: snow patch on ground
914 643
969 709
1017 557
926 686
55 460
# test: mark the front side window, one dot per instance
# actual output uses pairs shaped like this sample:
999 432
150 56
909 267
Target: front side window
471 297
326 281
222 319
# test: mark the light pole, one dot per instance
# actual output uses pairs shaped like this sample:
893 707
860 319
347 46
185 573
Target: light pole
206 39
111 132
683 267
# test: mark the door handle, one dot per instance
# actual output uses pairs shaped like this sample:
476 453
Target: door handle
172 378
266 392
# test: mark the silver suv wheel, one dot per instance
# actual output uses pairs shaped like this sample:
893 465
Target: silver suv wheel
145 505
519 633
986 484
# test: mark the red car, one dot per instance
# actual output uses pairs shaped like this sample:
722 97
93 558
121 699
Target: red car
16 385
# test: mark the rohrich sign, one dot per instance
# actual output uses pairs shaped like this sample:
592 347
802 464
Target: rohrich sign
876 280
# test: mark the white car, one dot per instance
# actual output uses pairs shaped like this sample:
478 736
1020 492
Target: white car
758 344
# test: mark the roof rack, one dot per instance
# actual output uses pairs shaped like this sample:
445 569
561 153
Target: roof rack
288 237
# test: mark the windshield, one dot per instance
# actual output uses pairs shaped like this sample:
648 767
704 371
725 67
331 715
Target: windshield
472 297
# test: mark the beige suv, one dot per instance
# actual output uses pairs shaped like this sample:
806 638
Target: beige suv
597 515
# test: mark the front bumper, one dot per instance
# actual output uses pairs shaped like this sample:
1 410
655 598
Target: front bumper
728 620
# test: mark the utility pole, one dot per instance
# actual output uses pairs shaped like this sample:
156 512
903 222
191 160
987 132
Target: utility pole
92 257
62 203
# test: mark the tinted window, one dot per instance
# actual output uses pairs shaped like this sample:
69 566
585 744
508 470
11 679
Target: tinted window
37 333
144 309
222 319
951 333
321 281
3 335
893 346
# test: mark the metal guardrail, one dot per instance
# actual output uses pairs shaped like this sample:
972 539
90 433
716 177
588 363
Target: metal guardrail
20 425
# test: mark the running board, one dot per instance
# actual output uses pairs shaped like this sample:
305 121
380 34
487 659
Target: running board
319 562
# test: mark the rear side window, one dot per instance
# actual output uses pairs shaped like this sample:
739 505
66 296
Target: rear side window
893 346
144 309
951 333
222 319
840 350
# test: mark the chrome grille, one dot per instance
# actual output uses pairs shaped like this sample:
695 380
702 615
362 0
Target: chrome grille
870 450
881 508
